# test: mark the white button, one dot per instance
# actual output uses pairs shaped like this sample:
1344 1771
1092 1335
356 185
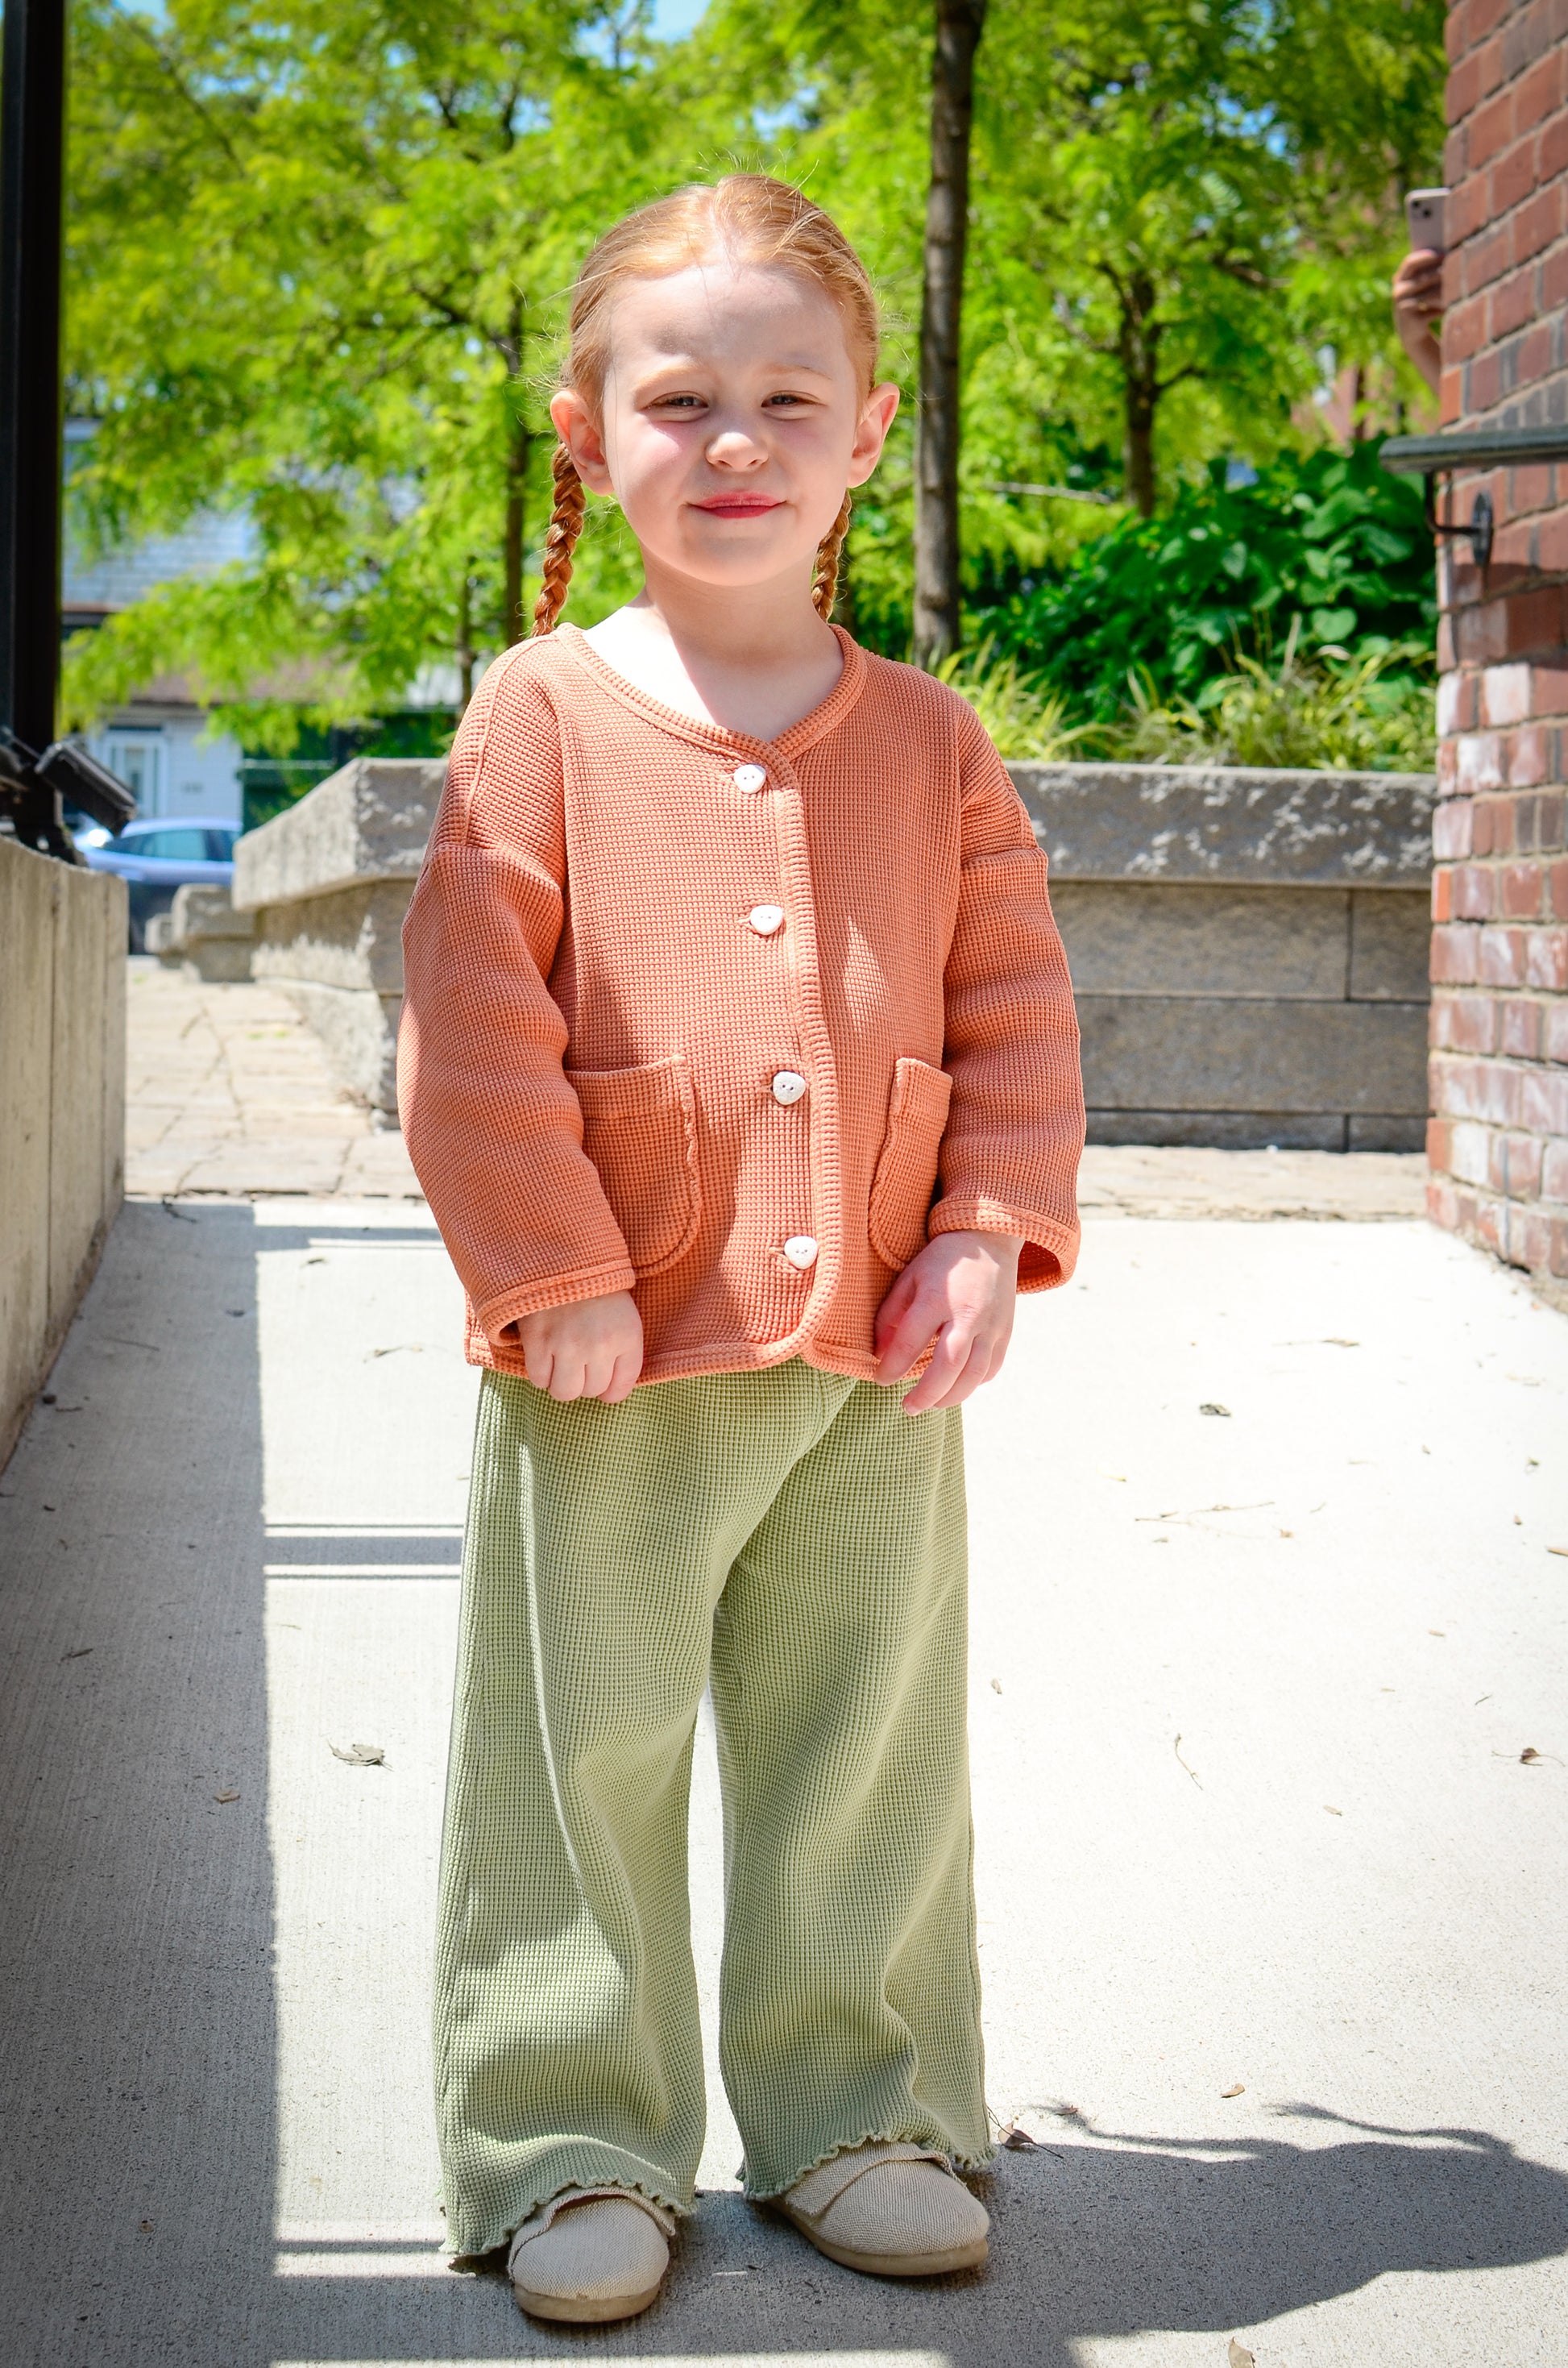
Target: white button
750 777
788 1087
800 1249
766 918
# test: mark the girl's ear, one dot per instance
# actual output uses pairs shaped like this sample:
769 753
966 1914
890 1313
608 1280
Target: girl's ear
580 432
871 434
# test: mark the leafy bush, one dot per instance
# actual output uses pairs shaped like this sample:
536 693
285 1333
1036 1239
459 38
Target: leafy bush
1327 711
1025 720
1331 540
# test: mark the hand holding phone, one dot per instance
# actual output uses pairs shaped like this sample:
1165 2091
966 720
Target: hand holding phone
1417 289
1424 211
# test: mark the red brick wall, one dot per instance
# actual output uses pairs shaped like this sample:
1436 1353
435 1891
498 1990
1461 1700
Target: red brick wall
1498 1141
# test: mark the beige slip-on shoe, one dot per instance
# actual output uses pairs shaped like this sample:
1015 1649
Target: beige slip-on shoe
591 2255
891 2211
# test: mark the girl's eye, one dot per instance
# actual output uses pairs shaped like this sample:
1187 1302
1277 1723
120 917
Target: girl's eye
677 403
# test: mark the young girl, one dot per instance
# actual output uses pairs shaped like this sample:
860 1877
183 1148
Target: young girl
739 1063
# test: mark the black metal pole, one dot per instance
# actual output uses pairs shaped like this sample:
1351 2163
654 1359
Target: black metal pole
32 174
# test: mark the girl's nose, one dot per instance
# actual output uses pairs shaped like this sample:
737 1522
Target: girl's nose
734 448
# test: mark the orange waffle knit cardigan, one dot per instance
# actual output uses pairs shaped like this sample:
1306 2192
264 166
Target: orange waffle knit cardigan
677 999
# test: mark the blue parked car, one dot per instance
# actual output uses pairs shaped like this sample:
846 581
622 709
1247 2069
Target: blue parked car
156 857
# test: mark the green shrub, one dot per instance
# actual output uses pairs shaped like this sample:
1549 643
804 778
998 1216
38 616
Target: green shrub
1025 719
1325 711
1331 539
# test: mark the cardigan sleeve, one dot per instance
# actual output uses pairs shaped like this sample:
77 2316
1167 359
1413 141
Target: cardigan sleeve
1016 1122
493 1127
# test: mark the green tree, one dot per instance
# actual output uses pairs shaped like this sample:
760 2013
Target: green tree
315 264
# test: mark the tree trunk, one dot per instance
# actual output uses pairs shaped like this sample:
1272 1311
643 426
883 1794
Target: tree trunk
1138 455
465 637
516 485
958 27
1139 350
519 440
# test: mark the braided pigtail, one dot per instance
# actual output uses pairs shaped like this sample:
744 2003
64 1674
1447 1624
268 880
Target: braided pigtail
825 585
565 526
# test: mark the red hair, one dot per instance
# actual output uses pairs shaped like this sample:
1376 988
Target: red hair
749 218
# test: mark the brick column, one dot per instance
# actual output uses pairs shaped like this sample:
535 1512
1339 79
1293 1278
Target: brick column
1499 1141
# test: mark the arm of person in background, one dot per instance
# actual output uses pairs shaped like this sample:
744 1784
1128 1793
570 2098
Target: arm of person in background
1418 310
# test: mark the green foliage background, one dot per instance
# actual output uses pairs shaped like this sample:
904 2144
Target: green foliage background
319 252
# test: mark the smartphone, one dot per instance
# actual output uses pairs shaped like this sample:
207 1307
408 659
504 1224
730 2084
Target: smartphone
1424 215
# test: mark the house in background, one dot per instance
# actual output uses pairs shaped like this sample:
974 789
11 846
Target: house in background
158 744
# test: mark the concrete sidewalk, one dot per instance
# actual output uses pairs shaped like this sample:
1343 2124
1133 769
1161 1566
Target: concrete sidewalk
1271 1808
229 1094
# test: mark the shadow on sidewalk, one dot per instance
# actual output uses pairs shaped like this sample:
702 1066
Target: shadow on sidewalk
139 2081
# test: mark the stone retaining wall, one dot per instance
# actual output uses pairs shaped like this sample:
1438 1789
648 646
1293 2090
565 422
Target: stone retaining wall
328 882
63 934
1249 949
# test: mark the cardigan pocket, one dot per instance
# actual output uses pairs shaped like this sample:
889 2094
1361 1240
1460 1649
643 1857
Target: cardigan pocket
640 1131
906 1165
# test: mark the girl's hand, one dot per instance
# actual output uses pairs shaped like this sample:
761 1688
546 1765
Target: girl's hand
960 1290
591 1349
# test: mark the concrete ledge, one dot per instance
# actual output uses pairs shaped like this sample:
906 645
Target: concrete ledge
63 936
326 886
1197 822
368 821
202 935
358 1030
1249 949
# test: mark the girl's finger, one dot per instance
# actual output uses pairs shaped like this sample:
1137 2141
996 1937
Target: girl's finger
903 1351
948 1359
910 1332
978 1370
962 1383
894 1310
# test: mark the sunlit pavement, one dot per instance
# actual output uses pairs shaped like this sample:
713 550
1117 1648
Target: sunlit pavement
1270 1798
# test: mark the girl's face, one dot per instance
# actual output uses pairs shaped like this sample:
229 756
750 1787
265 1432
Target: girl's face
730 423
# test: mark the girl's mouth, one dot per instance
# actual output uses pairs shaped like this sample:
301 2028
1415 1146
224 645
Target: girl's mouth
738 505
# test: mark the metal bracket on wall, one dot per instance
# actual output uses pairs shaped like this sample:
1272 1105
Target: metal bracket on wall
1431 456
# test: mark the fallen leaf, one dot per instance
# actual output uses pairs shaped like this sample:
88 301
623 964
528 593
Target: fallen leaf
225 1796
399 1347
1237 2088
1333 1811
1437 1632
1176 1746
80 1654
1239 2356
359 1755
995 1685
1530 1758
1557 1550
1210 1406
146 2227
1287 1533
1017 2141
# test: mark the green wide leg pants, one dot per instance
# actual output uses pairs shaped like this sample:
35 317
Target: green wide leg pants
797 1540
